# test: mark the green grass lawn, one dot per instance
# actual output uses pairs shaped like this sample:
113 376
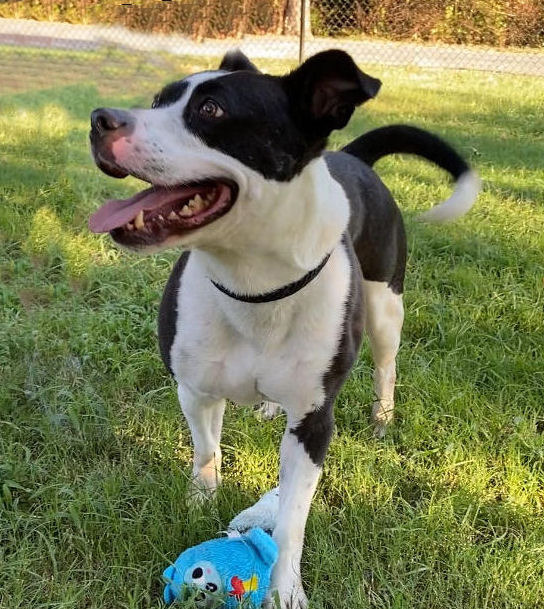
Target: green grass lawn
446 512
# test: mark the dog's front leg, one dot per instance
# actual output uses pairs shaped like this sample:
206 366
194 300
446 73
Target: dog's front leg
303 450
205 418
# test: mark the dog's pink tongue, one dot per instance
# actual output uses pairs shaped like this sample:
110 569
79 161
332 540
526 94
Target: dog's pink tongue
118 212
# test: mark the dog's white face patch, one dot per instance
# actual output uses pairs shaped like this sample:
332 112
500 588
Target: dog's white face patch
160 148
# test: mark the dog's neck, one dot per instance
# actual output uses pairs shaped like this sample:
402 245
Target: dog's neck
279 238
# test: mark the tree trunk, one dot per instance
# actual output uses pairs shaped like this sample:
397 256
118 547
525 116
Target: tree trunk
291 18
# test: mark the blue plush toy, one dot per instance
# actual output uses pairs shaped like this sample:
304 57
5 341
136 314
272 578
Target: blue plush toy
225 572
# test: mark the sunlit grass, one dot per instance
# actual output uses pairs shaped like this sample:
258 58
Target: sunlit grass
446 512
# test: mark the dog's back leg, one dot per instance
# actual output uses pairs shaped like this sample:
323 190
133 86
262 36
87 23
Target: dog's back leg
384 314
205 419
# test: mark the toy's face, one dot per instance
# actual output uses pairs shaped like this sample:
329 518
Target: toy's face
226 572
204 576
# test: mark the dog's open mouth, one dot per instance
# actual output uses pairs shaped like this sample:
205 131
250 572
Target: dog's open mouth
153 215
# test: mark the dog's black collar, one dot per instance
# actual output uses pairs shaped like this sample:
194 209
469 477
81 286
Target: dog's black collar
283 292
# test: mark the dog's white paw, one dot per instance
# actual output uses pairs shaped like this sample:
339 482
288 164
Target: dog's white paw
198 494
203 486
268 410
287 594
262 514
382 415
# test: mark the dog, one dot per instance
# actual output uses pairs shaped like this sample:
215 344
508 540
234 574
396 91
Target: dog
289 253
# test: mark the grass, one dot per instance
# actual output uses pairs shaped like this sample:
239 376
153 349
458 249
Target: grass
447 511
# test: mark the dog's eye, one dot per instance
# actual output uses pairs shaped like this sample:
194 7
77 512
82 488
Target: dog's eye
211 109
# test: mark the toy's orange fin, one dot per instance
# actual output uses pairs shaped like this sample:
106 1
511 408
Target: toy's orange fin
238 587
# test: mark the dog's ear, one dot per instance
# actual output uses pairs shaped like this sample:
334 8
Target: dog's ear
236 60
325 89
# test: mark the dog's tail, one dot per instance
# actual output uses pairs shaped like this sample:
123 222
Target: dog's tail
394 139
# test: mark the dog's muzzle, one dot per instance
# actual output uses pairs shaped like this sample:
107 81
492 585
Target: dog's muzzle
107 126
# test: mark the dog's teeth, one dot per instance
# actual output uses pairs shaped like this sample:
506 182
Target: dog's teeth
185 211
191 204
172 215
199 203
139 220
161 217
129 226
210 196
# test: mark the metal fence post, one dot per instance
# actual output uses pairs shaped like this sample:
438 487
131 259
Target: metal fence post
302 32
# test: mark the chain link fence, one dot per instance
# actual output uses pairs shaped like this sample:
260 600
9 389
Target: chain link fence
281 32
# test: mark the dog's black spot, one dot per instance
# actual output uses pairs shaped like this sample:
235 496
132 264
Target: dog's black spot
315 430
256 128
168 311
376 226
198 573
352 329
277 125
170 94
314 433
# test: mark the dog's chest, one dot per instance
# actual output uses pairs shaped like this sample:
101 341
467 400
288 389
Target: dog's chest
247 352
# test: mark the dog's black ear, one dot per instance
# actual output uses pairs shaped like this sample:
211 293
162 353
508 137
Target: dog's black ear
325 89
236 60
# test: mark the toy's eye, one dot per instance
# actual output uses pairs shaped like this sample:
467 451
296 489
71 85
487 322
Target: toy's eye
203 576
197 573
211 109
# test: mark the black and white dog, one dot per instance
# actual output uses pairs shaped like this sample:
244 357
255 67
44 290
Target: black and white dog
293 252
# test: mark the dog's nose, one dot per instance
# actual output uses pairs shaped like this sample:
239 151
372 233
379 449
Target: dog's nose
109 119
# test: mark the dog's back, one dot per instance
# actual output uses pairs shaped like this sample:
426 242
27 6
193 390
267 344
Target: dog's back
375 227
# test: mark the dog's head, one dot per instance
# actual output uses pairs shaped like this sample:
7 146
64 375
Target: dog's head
213 141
